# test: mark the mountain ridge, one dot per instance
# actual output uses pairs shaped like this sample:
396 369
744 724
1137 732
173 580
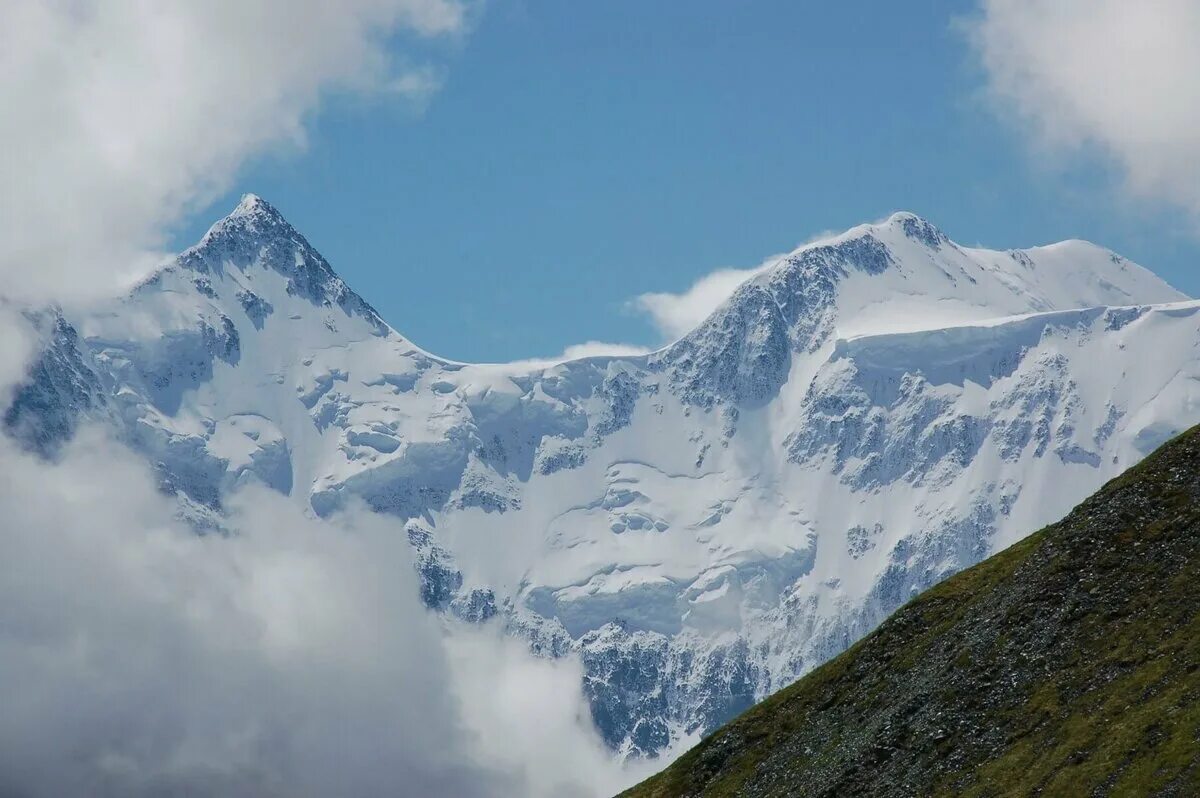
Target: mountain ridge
699 525
257 218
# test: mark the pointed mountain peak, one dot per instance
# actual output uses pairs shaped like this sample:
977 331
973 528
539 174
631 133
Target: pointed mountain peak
917 229
253 224
864 247
900 218
252 214
255 235
251 204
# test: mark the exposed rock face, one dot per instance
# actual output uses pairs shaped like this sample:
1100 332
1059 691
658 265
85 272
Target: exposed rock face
60 389
701 525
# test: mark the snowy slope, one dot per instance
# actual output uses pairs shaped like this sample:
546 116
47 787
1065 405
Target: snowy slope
702 524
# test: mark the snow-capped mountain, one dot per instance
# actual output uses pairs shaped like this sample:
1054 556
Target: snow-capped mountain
701 525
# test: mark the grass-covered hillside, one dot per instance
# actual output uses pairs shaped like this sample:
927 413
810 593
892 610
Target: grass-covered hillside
1066 665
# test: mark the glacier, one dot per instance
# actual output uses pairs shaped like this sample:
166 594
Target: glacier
700 525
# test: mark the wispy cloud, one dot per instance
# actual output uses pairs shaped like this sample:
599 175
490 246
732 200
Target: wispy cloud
676 314
577 352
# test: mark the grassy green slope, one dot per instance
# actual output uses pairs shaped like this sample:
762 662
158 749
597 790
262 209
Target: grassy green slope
1066 665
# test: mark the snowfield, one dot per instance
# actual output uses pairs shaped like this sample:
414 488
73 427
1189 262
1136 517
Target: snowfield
700 525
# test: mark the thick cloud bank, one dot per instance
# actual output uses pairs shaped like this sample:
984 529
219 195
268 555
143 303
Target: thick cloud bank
291 658
1121 78
138 658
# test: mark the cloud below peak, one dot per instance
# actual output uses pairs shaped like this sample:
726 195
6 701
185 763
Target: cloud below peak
289 658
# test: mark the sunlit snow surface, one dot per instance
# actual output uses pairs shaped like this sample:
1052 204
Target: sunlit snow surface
700 525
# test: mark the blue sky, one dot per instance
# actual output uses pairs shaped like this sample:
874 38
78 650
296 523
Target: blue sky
580 154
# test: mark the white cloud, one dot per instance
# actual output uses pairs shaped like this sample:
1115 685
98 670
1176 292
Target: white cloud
120 117
1110 76
576 352
137 657
292 658
675 315
17 345
600 349
533 719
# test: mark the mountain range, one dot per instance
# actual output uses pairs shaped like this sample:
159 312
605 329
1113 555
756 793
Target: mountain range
701 525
